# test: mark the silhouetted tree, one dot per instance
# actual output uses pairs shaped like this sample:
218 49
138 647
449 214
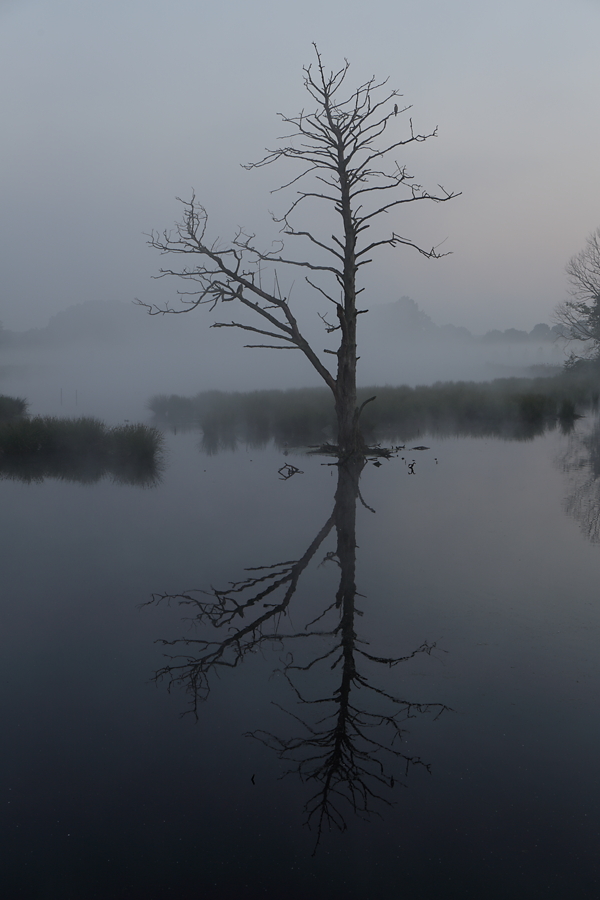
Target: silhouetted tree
579 316
343 167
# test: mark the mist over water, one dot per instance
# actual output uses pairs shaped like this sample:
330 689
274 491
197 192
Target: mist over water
108 359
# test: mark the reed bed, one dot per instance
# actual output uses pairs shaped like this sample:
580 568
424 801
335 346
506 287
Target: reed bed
293 417
84 450
511 408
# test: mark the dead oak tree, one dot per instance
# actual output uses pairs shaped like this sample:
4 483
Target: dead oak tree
342 149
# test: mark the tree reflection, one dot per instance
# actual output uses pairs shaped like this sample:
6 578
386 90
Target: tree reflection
581 462
349 740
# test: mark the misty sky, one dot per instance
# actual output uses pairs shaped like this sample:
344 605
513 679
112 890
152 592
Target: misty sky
111 109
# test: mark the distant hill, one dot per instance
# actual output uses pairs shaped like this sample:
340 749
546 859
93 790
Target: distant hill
401 317
99 343
404 320
114 321
95 322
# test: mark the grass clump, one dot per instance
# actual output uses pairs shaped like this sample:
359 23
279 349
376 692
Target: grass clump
83 450
12 408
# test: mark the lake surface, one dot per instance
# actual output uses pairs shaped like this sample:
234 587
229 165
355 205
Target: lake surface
484 559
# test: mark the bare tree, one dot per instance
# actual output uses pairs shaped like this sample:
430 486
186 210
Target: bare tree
343 167
580 314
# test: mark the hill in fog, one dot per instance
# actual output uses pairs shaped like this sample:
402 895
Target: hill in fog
406 321
112 356
400 343
112 321
94 322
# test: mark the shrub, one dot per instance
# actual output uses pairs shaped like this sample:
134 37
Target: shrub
12 408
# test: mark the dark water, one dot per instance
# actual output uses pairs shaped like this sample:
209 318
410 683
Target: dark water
485 561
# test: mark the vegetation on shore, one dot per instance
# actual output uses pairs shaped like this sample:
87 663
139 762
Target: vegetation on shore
84 450
513 408
12 408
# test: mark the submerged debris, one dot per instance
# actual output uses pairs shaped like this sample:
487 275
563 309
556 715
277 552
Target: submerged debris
287 471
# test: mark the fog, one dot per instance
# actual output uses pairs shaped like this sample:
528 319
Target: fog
112 110
108 359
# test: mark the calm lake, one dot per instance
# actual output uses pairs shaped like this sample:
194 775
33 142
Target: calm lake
476 758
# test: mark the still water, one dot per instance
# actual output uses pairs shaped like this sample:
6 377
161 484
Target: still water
453 654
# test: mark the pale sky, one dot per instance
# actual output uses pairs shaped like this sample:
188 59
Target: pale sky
112 108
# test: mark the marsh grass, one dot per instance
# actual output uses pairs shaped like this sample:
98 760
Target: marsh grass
12 408
83 450
511 408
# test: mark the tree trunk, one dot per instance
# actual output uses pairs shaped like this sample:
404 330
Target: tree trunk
350 443
349 438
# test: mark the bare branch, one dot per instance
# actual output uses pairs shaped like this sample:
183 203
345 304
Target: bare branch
250 328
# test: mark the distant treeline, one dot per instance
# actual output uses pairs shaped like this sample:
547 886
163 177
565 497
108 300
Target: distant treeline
513 408
83 450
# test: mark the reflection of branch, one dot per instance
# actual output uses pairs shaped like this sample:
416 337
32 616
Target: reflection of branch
583 504
225 608
346 754
582 463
